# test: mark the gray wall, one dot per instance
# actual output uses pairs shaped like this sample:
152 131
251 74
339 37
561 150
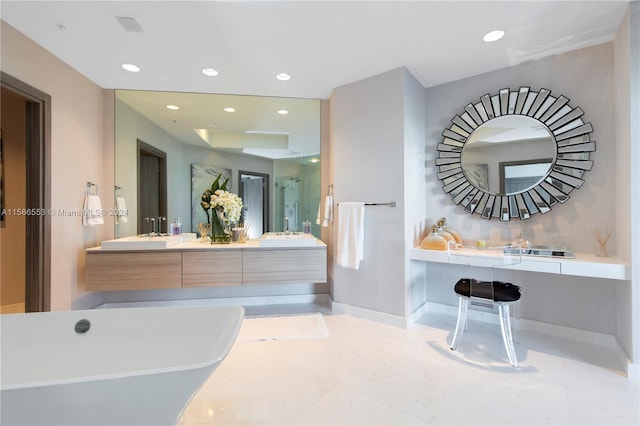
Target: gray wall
585 76
377 145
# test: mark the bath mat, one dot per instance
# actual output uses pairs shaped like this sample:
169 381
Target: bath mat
305 326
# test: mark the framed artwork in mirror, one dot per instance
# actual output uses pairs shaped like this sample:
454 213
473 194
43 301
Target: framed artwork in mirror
202 176
514 154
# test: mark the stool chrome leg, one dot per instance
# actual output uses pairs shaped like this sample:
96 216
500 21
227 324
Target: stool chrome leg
507 337
461 324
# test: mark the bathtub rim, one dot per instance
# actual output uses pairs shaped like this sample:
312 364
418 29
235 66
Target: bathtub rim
238 317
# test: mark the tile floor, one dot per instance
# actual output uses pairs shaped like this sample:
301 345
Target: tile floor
367 373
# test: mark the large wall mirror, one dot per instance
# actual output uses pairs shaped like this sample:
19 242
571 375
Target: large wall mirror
269 148
514 154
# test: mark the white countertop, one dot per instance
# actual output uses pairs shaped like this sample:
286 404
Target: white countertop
198 244
585 265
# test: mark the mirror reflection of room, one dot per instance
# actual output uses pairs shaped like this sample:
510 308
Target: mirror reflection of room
255 140
509 154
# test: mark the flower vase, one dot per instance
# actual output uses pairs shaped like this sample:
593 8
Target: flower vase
219 234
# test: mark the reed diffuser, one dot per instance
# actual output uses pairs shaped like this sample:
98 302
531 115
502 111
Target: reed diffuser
602 241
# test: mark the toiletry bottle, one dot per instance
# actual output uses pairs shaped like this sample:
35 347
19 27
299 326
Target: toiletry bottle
179 226
306 226
176 227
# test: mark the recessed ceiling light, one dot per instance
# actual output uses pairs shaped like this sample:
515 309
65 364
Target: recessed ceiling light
173 107
210 72
283 112
493 36
283 76
314 160
230 109
131 67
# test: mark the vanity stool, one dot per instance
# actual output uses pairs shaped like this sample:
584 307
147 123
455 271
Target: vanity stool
498 292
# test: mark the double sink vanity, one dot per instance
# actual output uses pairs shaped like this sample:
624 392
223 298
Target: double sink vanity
142 262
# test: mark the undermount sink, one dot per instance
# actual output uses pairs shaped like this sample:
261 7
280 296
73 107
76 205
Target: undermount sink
142 242
283 239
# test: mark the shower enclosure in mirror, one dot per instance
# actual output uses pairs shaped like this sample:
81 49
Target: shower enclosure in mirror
249 135
515 154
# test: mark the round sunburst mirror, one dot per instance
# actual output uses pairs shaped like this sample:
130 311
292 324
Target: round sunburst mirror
514 154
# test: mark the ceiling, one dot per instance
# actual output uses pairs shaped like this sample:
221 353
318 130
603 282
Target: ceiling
254 128
322 45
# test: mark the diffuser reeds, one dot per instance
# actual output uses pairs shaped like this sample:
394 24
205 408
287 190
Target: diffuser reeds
602 241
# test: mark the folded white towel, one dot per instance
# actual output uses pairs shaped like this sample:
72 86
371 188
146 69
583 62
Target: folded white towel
121 210
328 211
350 250
92 211
319 217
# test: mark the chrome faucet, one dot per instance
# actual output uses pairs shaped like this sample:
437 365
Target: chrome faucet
153 225
160 219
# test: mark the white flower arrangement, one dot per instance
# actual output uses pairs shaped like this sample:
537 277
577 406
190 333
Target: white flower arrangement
227 202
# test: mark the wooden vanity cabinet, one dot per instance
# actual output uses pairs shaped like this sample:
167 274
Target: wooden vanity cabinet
211 269
214 267
133 271
284 266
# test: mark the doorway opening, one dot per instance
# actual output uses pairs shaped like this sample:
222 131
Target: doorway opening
289 196
254 191
25 192
152 188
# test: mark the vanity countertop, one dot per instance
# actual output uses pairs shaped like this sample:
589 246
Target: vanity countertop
584 264
206 245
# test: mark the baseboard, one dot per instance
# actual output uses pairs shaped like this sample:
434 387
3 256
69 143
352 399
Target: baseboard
225 301
369 314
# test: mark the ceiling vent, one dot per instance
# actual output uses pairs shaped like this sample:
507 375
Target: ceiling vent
129 24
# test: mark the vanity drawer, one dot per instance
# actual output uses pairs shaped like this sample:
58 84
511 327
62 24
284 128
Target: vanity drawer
284 266
211 269
508 262
133 271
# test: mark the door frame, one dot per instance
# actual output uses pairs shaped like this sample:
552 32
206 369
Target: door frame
265 195
38 244
144 148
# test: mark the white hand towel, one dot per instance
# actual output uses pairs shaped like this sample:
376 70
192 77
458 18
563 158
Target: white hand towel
121 210
92 211
350 250
328 211
319 217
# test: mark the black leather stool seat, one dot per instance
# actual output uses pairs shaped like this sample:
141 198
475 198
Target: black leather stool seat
497 291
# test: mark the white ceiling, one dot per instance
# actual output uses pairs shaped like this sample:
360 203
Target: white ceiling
323 44
255 128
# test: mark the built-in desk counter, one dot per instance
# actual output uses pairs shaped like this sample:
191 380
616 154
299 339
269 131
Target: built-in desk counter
201 264
585 265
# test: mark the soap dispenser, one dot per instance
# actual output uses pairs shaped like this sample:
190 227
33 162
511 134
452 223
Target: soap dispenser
306 226
176 227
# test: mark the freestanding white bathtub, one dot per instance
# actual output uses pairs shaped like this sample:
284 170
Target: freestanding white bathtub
131 366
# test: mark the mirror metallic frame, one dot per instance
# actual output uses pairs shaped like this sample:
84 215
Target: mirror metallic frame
573 144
